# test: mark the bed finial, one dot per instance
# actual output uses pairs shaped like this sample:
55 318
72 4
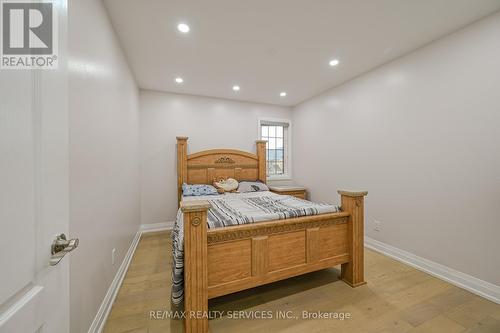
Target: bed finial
195 266
353 203
261 155
181 165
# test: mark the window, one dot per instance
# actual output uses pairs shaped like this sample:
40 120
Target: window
276 133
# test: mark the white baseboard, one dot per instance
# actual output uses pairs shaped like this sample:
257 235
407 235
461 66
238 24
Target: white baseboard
152 227
459 279
101 316
107 303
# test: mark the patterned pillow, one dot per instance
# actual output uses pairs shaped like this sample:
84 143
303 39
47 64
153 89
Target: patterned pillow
252 187
197 190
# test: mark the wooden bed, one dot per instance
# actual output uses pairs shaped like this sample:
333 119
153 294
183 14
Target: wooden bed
226 260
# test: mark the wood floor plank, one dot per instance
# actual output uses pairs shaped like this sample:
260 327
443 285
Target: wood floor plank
438 324
487 325
397 298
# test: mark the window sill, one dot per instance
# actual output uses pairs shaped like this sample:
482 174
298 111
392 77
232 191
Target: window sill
281 177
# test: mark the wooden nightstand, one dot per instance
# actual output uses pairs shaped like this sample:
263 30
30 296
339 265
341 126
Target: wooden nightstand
296 191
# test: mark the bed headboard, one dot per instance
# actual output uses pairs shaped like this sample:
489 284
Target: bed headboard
202 167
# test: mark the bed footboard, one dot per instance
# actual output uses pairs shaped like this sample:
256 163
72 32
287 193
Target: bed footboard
226 260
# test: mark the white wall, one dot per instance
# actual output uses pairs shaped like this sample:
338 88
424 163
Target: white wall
104 158
421 134
208 122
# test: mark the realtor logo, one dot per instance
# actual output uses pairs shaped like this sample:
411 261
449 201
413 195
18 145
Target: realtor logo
29 39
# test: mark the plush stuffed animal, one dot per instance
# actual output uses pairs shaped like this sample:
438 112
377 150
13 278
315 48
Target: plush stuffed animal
225 185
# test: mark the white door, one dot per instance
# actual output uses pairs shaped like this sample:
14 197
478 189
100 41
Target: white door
34 296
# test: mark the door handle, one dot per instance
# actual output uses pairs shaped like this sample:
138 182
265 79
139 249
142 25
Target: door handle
60 247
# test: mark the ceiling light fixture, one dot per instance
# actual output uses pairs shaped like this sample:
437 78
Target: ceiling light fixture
334 62
283 94
183 27
179 79
236 88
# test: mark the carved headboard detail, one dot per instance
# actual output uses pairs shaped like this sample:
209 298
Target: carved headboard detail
202 167
224 159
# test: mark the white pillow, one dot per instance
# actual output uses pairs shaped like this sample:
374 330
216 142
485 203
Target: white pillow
246 186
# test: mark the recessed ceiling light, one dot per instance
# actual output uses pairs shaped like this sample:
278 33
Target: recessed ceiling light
183 27
334 62
236 88
283 94
179 79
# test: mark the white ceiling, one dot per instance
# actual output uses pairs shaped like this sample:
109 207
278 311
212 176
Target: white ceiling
269 46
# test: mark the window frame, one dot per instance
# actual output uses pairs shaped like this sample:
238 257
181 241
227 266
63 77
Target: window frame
287 142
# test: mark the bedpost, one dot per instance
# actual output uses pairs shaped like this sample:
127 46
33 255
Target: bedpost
261 154
195 266
181 165
353 272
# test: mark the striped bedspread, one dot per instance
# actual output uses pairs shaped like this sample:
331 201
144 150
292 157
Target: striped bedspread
233 209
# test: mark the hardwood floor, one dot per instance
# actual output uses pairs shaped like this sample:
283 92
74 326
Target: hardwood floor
397 298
